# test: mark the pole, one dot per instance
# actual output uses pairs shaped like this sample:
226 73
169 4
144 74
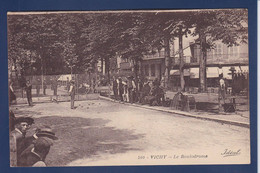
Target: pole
182 82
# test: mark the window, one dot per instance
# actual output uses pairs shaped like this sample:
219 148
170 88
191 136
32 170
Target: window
152 70
233 52
217 52
146 70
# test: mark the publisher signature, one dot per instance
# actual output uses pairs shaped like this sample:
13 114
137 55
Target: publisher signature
229 152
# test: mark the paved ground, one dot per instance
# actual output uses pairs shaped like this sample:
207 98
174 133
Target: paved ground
100 132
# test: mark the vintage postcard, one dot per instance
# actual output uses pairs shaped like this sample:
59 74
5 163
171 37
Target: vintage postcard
116 88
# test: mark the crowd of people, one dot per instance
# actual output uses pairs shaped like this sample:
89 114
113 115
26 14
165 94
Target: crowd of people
28 150
138 91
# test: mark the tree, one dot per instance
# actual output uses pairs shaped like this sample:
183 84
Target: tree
69 54
229 26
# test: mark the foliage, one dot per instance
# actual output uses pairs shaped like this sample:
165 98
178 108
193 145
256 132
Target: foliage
54 43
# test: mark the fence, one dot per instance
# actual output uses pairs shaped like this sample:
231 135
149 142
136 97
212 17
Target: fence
52 88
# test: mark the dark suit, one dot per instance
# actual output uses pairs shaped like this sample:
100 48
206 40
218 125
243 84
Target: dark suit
29 157
29 93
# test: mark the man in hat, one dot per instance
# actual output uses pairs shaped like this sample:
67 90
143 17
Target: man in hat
131 88
72 94
29 92
35 157
17 136
120 89
46 133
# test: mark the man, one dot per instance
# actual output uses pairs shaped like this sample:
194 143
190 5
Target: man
68 84
31 153
131 88
115 88
72 94
17 136
29 92
120 89
45 131
38 87
35 157
139 89
54 87
145 91
222 88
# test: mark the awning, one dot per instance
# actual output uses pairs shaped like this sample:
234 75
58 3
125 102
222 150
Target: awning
212 72
65 77
194 73
177 72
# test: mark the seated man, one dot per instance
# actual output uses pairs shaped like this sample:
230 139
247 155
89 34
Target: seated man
145 92
156 97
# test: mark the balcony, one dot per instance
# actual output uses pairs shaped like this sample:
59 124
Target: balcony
125 65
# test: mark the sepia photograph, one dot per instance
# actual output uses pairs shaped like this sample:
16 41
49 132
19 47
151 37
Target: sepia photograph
128 87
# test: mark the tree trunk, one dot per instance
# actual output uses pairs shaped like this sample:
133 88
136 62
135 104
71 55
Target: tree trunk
102 65
107 68
181 61
135 63
167 61
202 62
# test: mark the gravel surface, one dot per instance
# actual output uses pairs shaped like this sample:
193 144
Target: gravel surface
105 133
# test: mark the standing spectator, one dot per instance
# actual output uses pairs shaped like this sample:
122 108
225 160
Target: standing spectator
22 82
38 87
125 94
72 94
55 86
115 88
139 88
68 84
120 89
222 88
131 89
28 90
17 137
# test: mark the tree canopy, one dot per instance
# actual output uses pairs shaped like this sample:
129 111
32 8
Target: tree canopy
55 43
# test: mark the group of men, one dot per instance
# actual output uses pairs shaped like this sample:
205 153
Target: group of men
136 90
29 151
127 90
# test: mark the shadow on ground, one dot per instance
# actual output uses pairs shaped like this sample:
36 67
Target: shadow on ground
84 138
